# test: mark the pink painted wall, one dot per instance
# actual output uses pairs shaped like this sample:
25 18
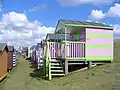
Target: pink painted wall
99 40
97 51
101 31
82 36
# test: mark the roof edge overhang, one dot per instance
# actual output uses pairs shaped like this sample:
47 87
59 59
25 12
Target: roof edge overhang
56 26
89 26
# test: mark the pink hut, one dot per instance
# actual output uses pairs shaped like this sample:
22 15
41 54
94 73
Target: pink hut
77 42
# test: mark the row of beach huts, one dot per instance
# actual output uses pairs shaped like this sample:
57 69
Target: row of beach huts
7 60
73 43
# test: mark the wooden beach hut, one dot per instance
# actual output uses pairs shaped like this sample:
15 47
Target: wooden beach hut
14 60
40 54
84 43
33 54
3 60
10 57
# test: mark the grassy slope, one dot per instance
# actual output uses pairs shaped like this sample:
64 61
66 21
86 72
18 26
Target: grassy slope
105 77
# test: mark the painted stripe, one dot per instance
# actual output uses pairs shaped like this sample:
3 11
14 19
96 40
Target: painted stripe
99 58
99 52
101 31
99 41
97 35
99 46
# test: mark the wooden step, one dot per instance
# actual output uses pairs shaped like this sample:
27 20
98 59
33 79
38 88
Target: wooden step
58 74
55 64
57 71
54 60
57 67
41 60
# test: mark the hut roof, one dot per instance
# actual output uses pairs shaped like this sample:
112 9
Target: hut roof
2 46
84 23
81 24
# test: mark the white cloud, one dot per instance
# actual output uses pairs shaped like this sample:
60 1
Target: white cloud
97 14
17 30
38 7
113 11
78 2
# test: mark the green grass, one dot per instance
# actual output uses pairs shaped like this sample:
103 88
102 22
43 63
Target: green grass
104 77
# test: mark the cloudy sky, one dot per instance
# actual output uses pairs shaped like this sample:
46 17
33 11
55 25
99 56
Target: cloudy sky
26 22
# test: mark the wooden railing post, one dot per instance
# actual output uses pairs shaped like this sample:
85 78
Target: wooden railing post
65 48
44 61
46 68
49 64
66 61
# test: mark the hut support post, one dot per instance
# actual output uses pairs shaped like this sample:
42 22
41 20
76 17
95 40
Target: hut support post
89 64
66 61
66 67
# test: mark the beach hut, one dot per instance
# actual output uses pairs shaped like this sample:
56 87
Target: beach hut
10 57
88 43
33 54
28 52
3 60
40 54
14 60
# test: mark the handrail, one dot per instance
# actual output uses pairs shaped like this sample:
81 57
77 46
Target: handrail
67 45
66 42
72 42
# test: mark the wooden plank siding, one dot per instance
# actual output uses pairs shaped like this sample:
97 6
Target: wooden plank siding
99 44
3 64
10 60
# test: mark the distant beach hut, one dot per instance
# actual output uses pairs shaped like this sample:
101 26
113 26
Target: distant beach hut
3 60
